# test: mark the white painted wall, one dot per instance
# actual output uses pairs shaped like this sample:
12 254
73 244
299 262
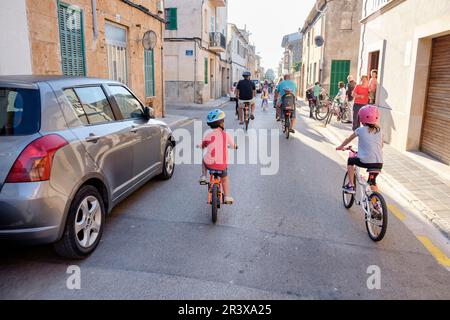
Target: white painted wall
15 52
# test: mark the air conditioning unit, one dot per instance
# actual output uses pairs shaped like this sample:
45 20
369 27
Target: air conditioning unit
160 6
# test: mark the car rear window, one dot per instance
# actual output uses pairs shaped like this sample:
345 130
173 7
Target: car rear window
20 111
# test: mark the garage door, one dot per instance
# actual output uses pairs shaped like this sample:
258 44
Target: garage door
436 130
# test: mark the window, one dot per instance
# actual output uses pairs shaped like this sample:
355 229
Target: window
71 36
116 40
149 65
20 112
206 71
95 104
172 19
76 105
129 106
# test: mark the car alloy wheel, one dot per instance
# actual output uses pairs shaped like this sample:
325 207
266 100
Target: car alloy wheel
88 222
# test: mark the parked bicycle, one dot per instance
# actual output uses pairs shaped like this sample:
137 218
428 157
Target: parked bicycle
339 110
323 107
371 201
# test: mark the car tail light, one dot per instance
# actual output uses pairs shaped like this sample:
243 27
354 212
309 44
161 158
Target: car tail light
35 162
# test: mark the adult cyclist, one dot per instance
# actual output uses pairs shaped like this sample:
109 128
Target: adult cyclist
246 92
284 87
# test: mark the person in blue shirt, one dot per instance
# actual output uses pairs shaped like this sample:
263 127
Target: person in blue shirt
286 86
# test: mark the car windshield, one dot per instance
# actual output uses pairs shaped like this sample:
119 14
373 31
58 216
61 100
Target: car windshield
20 112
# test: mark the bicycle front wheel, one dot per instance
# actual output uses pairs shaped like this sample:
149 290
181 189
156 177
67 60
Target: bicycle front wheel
322 112
377 219
348 198
287 127
215 203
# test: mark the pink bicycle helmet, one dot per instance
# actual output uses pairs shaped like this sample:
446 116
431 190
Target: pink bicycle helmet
369 114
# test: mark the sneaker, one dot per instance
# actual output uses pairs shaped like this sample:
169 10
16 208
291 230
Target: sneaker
229 200
252 117
349 189
292 131
203 181
278 119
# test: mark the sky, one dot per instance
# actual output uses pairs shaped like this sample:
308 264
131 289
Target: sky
269 21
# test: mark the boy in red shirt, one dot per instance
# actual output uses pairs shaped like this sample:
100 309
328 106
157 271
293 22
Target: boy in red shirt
216 142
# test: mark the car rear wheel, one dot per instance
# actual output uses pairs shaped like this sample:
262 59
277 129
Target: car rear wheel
84 225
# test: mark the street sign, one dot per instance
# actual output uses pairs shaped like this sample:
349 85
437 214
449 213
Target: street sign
189 53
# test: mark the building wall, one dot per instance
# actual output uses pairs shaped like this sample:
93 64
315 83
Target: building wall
340 26
45 42
404 63
239 63
185 73
342 36
15 51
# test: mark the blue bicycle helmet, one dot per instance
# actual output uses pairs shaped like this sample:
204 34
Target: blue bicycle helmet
215 116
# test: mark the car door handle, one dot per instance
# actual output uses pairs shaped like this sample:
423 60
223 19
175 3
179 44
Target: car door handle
92 138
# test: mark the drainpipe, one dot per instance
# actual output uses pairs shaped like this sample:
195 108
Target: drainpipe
94 18
163 86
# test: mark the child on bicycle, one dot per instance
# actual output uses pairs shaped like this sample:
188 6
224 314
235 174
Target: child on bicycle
216 141
370 148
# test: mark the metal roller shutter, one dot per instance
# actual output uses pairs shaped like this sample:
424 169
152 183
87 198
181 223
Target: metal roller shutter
436 128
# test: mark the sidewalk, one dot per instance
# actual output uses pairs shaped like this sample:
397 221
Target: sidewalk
174 121
427 190
213 104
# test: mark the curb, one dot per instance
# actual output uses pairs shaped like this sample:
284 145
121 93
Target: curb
441 225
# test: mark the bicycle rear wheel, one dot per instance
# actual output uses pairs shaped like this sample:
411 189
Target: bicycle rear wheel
287 127
377 220
347 198
215 203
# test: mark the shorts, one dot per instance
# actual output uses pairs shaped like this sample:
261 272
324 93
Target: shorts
370 166
293 113
224 173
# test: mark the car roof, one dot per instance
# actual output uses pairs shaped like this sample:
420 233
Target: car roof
33 80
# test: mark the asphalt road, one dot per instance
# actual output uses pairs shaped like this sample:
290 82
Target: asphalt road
287 237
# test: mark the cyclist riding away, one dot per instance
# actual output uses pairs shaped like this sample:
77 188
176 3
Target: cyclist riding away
285 87
216 142
370 148
246 92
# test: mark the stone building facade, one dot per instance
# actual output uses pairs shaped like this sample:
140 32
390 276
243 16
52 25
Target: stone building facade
338 23
238 51
196 68
66 38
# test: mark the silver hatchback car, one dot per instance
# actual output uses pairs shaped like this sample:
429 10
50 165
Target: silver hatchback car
70 150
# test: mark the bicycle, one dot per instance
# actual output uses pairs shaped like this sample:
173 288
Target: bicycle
216 195
286 121
341 112
372 203
246 114
323 107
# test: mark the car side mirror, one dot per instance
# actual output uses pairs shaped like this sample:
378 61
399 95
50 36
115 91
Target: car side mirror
149 113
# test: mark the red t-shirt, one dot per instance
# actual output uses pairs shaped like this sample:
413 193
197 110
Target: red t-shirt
360 90
216 143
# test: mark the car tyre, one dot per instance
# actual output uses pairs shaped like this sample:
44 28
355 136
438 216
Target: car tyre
70 246
169 162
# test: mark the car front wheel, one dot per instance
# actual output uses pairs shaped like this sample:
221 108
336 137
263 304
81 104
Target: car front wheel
169 162
84 225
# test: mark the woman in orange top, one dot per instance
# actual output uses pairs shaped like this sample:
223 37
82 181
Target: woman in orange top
361 95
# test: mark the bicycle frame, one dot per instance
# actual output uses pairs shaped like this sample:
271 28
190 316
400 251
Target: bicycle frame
215 181
365 192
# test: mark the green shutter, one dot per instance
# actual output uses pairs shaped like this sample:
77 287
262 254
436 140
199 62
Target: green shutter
206 71
340 70
149 73
172 19
71 35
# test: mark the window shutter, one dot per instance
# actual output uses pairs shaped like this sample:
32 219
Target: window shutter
206 71
149 73
172 19
71 40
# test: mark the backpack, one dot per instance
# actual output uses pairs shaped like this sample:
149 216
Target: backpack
288 102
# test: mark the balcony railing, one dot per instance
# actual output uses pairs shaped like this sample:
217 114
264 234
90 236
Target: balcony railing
217 42
374 5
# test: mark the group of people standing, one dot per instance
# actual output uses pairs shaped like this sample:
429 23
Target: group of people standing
357 95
